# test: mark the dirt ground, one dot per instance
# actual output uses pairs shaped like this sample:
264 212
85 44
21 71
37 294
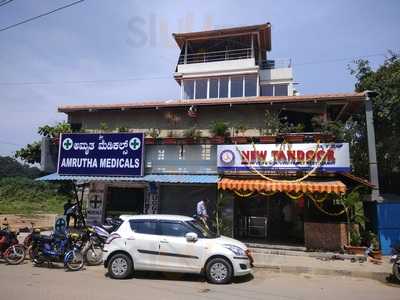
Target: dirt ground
23 221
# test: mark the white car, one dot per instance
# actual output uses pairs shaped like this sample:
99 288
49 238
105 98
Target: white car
173 244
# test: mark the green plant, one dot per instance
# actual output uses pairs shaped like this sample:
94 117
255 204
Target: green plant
272 122
355 237
353 207
222 225
153 133
192 132
104 127
335 128
219 128
54 131
240 128
122 129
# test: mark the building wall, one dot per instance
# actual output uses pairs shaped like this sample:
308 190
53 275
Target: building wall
325 236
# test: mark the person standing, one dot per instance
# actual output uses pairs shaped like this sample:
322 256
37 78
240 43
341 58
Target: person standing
201 211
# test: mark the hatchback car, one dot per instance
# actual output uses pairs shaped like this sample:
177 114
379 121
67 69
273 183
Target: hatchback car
173 244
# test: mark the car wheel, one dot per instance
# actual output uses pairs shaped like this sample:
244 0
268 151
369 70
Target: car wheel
120 266
219 271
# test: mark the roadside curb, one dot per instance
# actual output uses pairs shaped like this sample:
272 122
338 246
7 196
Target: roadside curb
380 276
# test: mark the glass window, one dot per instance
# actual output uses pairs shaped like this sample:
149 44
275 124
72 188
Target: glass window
205 152
201 89
236 86
188 89
281 89
161 154
267 90
223 87
173 229
250 88
143 226
214 88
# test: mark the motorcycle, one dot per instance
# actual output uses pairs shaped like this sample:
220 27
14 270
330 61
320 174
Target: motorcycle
61 247
92 250
102 232
10 249
395 260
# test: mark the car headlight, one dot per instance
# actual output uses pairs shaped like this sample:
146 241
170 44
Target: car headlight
236 250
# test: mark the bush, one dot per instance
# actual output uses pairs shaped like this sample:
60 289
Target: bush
26 196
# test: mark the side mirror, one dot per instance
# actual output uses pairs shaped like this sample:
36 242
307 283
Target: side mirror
191 237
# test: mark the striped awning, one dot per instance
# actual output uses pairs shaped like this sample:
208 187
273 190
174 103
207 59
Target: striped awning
256 185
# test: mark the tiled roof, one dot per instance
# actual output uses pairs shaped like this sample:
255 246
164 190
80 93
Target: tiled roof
350 97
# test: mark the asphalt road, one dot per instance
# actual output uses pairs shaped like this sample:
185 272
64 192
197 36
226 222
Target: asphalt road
28 282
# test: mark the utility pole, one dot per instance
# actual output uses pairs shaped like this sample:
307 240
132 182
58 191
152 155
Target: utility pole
373 163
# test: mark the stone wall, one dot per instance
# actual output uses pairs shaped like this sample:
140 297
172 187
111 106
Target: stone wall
325 236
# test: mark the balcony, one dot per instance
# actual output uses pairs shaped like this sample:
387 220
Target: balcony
276 70
235 60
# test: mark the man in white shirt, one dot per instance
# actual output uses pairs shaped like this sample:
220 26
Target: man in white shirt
202 210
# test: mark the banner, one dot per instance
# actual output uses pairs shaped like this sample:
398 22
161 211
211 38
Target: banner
333 157
108 154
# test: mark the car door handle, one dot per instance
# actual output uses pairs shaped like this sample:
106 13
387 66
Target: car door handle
164 242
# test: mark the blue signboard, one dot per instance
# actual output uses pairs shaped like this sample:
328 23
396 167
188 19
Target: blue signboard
107 154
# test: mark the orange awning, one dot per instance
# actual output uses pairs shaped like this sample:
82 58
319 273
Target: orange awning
256 185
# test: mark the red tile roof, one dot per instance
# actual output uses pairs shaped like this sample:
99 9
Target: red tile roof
349 97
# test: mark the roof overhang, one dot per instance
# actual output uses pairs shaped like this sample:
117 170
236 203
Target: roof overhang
161 178
352 98
264 31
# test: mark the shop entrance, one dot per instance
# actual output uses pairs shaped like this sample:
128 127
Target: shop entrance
123 200
272 219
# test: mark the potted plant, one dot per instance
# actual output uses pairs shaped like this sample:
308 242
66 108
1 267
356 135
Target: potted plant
151 136
239 137
353 208
191 135
294 133
170 139
272 127
219 131
327 131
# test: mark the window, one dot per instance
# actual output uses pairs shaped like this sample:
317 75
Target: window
143 226
267 90
173 229
201 89
205 152
188 89
250 85
281 89
223 87
236 86
161 154
214 88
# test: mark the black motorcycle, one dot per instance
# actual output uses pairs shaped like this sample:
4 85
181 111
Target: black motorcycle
395 260
59 247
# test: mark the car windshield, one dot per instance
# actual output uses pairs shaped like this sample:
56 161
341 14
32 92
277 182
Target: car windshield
203 230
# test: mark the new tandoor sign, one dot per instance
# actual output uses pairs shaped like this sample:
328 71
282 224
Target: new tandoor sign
333 157
111 154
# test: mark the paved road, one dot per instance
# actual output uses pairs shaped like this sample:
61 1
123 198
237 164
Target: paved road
27 282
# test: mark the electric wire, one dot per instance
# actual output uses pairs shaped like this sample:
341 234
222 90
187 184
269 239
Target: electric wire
40 16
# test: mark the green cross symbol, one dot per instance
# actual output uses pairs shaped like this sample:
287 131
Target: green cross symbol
67 144
134 143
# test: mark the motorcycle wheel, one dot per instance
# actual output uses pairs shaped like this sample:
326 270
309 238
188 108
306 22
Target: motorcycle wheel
94 256
396 270
76 262
15 254
35 256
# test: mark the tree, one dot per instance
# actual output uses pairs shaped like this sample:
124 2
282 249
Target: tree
386 81
31 153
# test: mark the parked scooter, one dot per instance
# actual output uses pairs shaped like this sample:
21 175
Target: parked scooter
395 260
65 247
10 249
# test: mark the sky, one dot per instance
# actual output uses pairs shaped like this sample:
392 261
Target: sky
103 51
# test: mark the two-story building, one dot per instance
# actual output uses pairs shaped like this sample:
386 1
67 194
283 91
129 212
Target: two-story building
240 135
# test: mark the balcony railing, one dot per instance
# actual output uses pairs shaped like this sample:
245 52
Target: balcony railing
276 64
204 57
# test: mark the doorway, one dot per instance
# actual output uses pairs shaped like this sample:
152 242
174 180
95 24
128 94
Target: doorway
123 200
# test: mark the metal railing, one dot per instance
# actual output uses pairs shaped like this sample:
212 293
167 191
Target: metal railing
203 57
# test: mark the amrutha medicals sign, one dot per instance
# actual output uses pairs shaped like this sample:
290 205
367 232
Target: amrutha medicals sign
113 154
292 157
